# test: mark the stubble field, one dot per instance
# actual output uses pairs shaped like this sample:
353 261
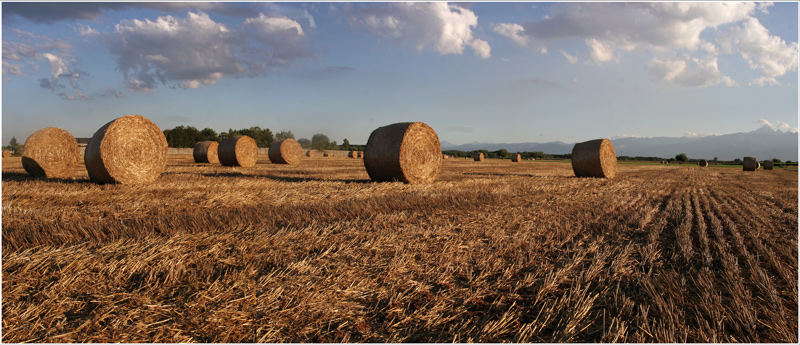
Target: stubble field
492 251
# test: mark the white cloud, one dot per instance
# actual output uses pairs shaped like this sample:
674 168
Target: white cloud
765 122
570 58
9 68
783 126
195 51
447 27
765 81
770 55
512 31
690 72
599 51
87 31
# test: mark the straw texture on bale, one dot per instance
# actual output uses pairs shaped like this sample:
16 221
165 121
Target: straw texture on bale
478 156
703 163
6 153
238 151
406 151
206 152
749 164
128 150
516 158
594 158
286 151
768 165
50 152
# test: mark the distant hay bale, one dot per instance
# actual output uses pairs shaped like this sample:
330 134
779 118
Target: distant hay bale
50 152
238 151
749 164
352 154
6 153
768 165
286 151
594 158
516 158
478 156
206 152
127 150
406 151
703 163
310 153
360 154
326 154
444 156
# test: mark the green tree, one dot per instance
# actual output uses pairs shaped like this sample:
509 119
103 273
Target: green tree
208 134
14 145
284 135
715 159
320 141
681 157
345 144
304 142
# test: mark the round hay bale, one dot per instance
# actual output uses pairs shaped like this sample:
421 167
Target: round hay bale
310 153
444 156
352 154
326 154
238 151
286 151
206 152
406 151
749 164
360 154
768 165
127 150
594 158
6 153
51 153
478 156
516 158
703 163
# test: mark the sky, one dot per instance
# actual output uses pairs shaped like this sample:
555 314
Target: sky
485 72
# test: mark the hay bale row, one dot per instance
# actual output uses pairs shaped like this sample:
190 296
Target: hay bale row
286 151
749 164
51 153
127 150
406 151
516 158
206 152
478 156
238 151
594 158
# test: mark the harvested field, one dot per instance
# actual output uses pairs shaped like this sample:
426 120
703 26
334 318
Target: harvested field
489 252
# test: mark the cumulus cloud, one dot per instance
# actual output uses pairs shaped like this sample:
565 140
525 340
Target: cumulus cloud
446 27
87 31
692 72
512 31
570 58
194 51
768 54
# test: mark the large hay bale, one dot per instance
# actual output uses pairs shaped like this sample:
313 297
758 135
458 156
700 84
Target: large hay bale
478 156
406 151
128 150
516 158
238 151
749 164
6 153
594 158
703 163
286 151
768 165
52 153
206 152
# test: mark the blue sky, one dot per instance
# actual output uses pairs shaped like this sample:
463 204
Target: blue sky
489 72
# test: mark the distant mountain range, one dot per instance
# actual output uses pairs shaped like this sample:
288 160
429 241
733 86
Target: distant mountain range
762 143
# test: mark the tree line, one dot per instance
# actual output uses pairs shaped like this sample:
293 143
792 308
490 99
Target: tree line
188 136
